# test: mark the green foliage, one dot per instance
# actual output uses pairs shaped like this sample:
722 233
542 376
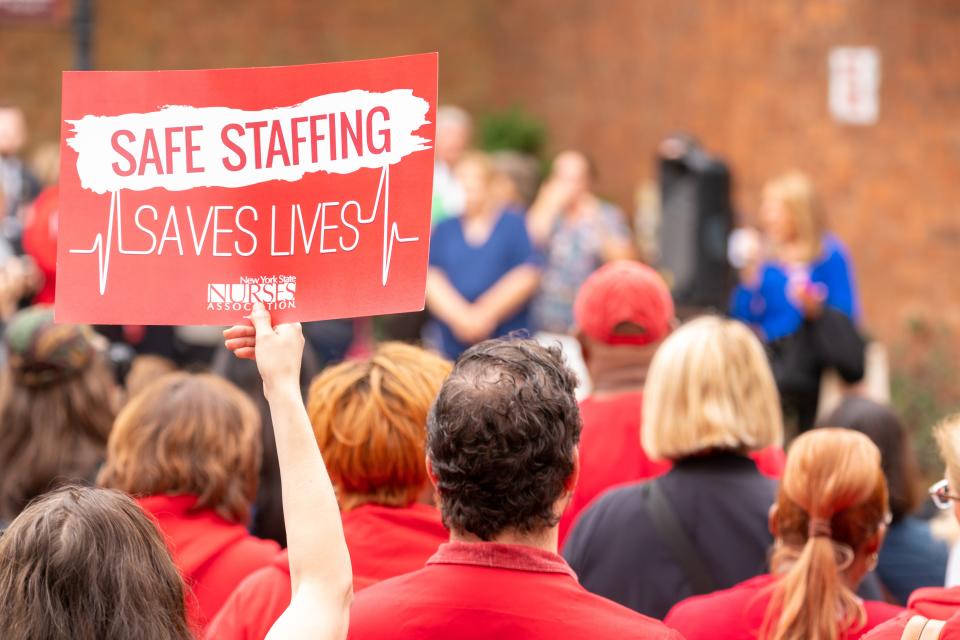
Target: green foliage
512 129
925 392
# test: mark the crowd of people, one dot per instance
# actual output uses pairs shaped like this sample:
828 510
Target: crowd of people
546 452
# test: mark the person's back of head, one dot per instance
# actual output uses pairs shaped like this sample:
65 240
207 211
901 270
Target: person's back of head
502 440
369 417
829 522
883 426
710 388
87 564
188 434
622 312
57 404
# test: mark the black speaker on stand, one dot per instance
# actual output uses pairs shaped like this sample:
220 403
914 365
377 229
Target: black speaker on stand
696 218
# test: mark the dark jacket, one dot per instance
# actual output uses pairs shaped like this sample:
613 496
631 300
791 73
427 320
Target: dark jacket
721 501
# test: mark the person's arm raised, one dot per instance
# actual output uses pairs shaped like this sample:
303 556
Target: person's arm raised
320 573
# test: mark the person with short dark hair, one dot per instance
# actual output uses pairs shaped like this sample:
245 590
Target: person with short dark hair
87 564
502 452
911 556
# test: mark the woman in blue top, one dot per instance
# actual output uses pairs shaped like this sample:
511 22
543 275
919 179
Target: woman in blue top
790 278
483 267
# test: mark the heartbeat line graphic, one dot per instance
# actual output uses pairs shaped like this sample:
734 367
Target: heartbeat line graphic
103 253
390 233
103 248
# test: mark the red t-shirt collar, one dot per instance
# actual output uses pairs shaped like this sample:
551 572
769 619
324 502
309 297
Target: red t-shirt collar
496 555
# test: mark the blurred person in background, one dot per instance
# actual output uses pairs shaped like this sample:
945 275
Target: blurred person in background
797 291
577 232
829 523
454 133
369 418
82 563
16 180
58 400
483 269
623 312
709 400
502 452
911 556
187 447
932 605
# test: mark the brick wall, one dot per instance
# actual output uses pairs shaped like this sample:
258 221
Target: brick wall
612 77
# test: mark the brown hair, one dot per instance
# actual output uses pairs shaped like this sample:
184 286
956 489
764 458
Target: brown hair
832 495
191 434
52 433
87 564
369 417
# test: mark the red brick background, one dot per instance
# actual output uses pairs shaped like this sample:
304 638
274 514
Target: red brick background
612 77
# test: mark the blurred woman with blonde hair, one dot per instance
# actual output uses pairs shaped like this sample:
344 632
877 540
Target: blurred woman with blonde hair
709 401
797 291
829 522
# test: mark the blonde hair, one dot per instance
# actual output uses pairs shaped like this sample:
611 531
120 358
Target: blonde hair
947 433
191 434
795 193
710 387
833 494
370 419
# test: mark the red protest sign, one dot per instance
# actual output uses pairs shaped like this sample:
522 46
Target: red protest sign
187 195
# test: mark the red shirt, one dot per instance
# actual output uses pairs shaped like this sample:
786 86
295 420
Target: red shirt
383 541
212 553
485 590
737 613
611 453
936 603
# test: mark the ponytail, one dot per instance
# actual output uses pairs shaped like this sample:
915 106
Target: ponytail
833 498
812 599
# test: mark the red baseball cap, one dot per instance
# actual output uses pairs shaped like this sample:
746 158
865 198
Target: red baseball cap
620 292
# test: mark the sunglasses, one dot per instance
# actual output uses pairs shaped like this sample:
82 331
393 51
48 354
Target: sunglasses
941 496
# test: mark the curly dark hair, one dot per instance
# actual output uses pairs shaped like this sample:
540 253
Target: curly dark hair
502 436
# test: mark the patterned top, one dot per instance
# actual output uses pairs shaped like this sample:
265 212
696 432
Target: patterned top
574 252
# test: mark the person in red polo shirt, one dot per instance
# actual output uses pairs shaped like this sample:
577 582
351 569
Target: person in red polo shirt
623 312
369 417
829 521
502 452
936 603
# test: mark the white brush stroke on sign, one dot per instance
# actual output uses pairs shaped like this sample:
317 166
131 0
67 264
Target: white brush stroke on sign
92 137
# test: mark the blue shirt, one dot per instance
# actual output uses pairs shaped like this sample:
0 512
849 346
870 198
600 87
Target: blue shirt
472 270
769 307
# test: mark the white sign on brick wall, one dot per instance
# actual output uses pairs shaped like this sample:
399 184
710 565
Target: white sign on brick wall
854 94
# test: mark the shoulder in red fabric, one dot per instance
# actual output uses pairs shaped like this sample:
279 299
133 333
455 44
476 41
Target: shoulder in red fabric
738 613
938 603
486 590
893 629
212 553
383 541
